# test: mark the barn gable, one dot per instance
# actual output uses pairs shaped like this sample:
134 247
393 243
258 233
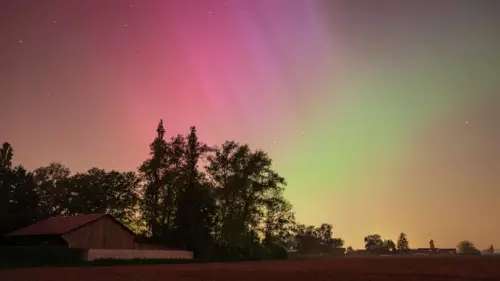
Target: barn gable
103 233
98 231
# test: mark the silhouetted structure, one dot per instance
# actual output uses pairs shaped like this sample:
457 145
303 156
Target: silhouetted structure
96 231
433 251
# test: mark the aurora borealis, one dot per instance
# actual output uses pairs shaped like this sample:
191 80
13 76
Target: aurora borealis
383 116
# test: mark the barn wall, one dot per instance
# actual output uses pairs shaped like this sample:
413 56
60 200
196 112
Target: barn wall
144 246
93 254
104 233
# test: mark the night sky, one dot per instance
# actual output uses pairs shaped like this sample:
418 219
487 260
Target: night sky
383 116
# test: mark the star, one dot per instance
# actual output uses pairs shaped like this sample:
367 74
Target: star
466 122
275 142
48 94
210 13
20 41
126 26
130 5
55 21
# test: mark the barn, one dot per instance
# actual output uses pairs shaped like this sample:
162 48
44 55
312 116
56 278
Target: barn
96 231
101 235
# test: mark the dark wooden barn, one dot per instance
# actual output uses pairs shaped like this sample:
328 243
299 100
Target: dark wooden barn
97 231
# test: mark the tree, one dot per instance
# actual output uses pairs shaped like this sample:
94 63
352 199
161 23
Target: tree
431 245
195 209
389 245
337 243
310 239
403 244
307 239
243 181
98 191
51 184
278 220
18 196
19 200
491 249
152 172
349 249
373 241
324 234
467 248
174 179
6 154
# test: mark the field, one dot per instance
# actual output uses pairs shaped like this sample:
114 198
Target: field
374 269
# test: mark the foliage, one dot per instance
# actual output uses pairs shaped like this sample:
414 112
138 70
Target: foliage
246 189
6 154
373 241
389 245
18 196
52 184
98 191
403 244
317 240
467 248
39 256
194 218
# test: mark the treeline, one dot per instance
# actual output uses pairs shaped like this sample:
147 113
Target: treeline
374 243
223 202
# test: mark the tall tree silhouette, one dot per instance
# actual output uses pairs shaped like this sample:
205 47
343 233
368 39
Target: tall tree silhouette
174 180
18 196
152 171
6 153
403 244
431 245
491 249
195 210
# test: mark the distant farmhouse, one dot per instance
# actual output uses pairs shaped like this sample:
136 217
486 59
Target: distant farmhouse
411 252
102 235
487 252
434 252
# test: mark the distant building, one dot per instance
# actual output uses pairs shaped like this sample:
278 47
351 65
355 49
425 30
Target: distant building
487 252
358 253
433 252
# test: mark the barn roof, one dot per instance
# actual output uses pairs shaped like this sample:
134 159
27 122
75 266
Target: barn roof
56 225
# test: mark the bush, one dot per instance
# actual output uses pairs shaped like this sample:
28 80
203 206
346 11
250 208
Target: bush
40 256
276 252
251 252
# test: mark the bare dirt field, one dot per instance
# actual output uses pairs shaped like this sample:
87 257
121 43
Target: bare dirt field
374 269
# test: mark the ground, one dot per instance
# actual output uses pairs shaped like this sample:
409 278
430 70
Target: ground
363 269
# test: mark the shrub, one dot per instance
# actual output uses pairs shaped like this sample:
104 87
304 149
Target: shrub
39 256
